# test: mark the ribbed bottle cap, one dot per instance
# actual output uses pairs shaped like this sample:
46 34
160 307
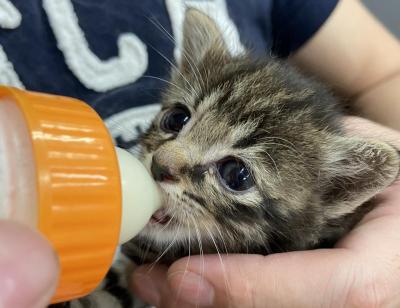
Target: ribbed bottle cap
79 191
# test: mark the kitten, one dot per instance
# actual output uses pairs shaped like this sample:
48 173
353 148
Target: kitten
251 158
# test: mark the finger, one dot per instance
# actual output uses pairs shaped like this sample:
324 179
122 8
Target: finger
148 283
28 267
151 285
298 279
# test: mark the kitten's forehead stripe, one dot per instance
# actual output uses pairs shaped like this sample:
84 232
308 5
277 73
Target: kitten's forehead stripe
225 77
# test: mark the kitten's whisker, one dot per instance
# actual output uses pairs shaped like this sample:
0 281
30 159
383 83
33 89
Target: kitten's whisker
169 221
201 253
186 267
167 249
166 81
187 56
221 237
160 27
192 63
175 68
227 284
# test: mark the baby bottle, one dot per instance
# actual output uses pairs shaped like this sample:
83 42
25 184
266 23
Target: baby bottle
61 174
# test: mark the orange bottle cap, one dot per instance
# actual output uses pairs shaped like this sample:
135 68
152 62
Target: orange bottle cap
79 190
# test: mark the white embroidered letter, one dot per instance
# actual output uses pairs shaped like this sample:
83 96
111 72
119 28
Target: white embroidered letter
94 73
10 18
125 127
215 9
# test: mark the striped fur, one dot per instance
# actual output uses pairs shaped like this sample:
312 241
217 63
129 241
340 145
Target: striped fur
313 182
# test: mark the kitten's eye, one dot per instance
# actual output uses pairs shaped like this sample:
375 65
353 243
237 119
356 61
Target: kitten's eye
175 119
235 174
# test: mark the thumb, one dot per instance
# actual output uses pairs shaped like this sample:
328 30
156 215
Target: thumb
298 279
28 267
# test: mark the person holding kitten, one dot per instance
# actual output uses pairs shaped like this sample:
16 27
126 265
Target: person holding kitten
362 270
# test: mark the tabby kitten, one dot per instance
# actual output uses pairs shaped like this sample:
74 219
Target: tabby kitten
251 158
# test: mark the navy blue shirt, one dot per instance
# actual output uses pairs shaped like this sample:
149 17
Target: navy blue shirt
110 53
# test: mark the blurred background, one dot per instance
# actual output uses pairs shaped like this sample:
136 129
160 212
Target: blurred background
388 11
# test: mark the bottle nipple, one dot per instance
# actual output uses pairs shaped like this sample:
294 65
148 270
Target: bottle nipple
140 195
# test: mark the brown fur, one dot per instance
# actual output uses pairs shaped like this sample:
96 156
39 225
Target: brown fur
312 182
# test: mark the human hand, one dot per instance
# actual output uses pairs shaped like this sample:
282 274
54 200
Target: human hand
363 270
28 267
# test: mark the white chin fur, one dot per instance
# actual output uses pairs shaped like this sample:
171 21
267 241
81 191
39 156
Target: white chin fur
163 237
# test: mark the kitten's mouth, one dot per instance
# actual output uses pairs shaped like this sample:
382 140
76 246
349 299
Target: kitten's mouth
160 217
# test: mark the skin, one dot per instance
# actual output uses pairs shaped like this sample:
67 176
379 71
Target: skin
363 270
360 58
28 267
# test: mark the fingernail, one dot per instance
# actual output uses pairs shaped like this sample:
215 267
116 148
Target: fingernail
192 288
146 289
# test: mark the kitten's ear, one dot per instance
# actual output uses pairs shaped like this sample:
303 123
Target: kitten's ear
200 34
355 171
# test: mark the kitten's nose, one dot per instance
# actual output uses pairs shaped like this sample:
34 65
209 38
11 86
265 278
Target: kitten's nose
161 173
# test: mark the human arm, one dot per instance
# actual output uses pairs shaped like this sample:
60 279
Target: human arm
28 267
359 58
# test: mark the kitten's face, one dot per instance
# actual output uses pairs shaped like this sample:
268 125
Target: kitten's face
250 157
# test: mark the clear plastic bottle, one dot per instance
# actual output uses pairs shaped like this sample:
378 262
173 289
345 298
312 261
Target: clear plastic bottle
61 174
